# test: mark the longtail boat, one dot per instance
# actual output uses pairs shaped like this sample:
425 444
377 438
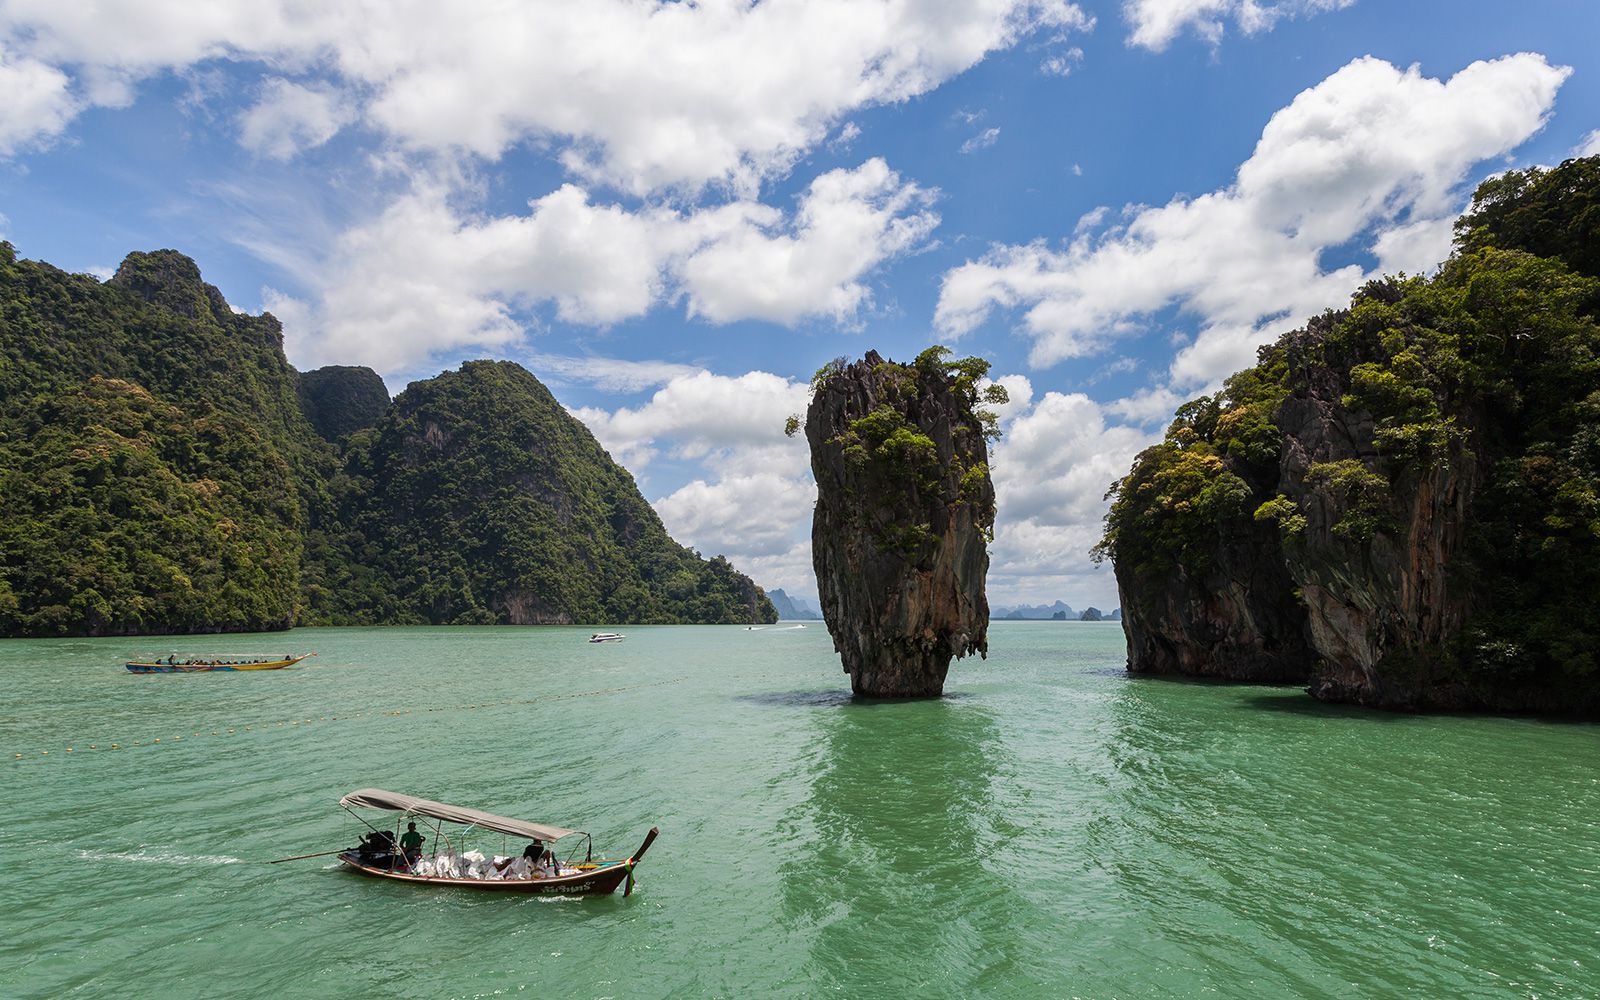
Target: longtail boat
209 663
381 853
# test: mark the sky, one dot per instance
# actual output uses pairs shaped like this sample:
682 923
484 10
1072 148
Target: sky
674 213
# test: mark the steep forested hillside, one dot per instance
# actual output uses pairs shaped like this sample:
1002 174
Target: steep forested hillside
156 472
164 469
1401 501
485 501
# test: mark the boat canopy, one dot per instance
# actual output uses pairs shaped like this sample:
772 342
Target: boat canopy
377 798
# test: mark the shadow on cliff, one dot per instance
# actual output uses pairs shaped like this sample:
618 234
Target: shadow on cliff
834 699
1306 706
1309 706
1206 681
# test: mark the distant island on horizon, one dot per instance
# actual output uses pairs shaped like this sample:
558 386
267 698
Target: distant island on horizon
1059 611
791 608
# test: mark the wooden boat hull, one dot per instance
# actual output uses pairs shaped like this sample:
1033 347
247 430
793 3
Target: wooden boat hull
215 666
598 881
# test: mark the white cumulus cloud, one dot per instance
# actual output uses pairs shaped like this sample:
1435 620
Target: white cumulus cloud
292 117
427 276
1051 471
752 498
1155 23
637 95
1373 157
754 264
36 105
703 414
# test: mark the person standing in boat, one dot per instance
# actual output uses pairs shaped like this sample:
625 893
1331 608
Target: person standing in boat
411 843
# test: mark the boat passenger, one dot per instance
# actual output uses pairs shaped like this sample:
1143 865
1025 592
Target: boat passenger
411 843
533 855
376 846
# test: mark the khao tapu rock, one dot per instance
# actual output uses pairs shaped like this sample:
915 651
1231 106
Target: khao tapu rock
1400 496
905 510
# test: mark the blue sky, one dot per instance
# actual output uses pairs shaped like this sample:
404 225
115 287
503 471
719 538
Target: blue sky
673 214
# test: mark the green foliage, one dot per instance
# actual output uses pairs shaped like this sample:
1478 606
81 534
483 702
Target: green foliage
913 479
965 376
158 473
1283 512
1170 508
1363 493
470 524
791 425
126 514
827 372
1548 213
340 400
1490 366
899 452
1166 511
171 494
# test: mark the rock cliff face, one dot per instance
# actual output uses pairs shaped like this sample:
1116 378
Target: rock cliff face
1229 617
904 512
1398 503
1381 608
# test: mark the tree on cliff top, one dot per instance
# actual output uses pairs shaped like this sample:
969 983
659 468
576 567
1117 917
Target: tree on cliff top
1548 213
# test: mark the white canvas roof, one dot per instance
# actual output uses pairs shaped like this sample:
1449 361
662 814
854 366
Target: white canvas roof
377 798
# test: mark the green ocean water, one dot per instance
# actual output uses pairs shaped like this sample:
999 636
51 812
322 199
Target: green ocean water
1052 828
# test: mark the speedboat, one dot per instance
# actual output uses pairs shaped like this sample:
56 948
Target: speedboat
607 637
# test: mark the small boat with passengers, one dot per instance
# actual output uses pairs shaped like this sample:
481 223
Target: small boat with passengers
449 863
207 663
607 637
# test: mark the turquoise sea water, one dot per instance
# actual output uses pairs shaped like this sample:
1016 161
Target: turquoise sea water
1052 828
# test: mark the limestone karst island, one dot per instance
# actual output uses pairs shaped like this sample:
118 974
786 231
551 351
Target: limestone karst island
775 498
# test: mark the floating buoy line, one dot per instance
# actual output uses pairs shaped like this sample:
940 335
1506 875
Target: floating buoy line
262 727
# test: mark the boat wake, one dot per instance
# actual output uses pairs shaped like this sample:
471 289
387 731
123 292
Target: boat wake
162 858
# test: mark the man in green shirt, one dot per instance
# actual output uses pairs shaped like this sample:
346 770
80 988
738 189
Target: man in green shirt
411 843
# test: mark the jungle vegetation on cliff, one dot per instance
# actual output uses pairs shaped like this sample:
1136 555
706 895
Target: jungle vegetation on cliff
164 469
1429 462
888 440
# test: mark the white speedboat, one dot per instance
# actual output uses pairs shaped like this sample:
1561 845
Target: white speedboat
606 637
